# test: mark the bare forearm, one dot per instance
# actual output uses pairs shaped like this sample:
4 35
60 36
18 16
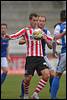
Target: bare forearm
16 35
59 35
49 43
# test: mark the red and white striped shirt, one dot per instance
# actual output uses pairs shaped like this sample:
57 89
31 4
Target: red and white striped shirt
34 47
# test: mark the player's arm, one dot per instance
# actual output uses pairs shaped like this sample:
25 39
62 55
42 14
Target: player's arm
22 41
8 55
8 58
48 42
16 35
60 35
57 34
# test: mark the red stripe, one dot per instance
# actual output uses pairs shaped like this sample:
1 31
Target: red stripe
28 48
49 38
30 31
42 81
27 39
32 46
36 48
19 34
40 48
41 85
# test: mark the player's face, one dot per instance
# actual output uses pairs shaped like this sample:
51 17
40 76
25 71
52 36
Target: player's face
41 22
3 29
34 22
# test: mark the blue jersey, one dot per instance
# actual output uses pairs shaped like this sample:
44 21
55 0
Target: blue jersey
43 42
4 46
63 39
60 27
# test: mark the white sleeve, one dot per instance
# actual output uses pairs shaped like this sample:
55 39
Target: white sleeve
57 30
48 33
64 30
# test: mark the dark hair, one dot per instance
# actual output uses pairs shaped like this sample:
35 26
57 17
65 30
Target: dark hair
4 24
32 14
63 15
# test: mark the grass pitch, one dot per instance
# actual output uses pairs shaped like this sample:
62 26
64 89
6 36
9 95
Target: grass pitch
11 87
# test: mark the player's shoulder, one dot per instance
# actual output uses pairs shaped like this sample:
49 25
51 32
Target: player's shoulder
4 39
63 24
57 25
25 28
46 30
28 27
